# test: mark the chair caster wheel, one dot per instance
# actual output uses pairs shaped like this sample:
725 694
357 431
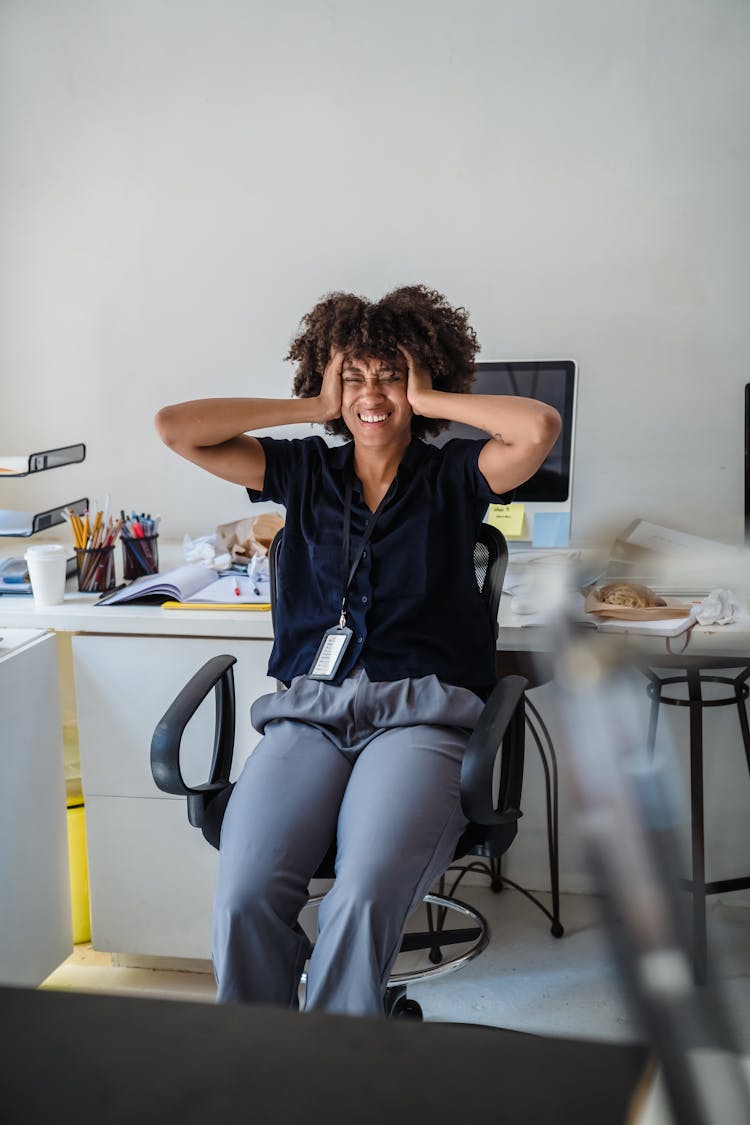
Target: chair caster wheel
557 929
406 1009
436 956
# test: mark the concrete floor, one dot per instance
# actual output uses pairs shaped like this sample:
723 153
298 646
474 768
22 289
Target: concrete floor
526 979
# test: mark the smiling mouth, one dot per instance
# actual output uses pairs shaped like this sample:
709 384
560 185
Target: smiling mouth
373 419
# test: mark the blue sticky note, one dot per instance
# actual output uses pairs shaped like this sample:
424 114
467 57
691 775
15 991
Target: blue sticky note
551 529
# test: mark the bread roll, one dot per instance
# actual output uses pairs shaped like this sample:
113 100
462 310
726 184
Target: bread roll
630 595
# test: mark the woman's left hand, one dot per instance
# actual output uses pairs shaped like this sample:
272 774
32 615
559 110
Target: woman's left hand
419 380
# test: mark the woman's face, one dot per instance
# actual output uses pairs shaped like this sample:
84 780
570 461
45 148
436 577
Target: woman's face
374 404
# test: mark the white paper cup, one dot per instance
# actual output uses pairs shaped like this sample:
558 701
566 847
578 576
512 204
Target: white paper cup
46 564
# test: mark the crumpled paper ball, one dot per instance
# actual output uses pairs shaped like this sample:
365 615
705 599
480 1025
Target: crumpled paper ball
203 551
719 608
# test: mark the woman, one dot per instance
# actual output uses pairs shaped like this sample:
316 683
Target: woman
382 637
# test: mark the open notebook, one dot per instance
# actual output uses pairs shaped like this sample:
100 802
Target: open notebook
193 586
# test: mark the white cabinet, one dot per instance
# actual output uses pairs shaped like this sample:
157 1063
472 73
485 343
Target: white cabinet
151 876
35 925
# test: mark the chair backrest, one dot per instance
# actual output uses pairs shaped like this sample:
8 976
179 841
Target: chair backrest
490 565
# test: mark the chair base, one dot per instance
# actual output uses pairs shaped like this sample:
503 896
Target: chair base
397 1004
492 868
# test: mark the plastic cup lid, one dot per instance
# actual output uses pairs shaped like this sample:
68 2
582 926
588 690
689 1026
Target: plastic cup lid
44 550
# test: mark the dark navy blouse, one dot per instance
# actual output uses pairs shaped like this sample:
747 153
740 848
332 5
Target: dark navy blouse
413 604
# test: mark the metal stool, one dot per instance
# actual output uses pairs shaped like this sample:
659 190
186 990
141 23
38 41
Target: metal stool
690 671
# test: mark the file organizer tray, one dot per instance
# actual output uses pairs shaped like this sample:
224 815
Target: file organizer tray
38 462
29 523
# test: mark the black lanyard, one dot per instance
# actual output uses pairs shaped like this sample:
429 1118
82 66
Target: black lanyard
347 572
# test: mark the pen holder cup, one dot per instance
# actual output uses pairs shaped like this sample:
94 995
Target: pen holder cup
95 567
140 556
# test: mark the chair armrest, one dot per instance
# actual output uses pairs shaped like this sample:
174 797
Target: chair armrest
501 723
216 674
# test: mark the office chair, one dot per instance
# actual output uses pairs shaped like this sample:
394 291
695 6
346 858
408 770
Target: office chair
493 820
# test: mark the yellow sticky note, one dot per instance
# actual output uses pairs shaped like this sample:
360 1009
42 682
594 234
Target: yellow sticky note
508 518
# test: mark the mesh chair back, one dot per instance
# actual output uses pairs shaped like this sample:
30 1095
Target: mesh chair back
490 565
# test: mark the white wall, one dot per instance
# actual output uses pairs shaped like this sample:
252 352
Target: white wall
180 180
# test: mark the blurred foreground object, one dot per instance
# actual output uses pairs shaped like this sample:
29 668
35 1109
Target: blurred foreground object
675 562
629 826
719 608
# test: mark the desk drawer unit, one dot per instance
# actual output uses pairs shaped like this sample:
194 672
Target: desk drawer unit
151 876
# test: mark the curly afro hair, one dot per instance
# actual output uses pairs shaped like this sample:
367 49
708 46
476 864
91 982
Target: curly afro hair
437 335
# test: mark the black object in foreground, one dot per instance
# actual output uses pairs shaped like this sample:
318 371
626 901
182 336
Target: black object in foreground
106 1060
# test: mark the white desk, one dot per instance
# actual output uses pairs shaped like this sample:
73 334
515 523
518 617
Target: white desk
151 875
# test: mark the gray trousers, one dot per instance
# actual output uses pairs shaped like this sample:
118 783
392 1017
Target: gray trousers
375 766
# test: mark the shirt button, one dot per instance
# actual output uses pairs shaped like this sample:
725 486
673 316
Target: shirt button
364 554
364 599
359 640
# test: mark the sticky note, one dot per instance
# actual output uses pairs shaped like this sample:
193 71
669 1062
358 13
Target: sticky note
508 518
551 529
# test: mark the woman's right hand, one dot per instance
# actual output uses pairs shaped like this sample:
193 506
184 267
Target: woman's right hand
330 391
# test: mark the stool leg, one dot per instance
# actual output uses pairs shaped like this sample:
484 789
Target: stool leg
653 720
549 766
742 711
697 827
654 693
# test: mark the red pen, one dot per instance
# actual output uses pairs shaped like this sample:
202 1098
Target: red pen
237 590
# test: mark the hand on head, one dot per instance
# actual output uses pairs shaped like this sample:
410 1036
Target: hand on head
418 381
330 390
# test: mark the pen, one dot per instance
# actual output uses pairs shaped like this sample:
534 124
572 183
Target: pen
237 590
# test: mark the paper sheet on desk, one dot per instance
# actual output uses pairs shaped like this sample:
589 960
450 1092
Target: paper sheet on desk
535 583
221 592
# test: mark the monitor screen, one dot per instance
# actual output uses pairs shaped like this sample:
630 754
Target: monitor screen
550 381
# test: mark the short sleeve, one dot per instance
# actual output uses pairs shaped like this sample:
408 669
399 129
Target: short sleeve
279 460
462 457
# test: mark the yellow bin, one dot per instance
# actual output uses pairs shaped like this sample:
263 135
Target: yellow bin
79 871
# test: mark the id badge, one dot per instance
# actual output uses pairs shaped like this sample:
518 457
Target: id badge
331 652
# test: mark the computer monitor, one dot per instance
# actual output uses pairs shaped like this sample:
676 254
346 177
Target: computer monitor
552 381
